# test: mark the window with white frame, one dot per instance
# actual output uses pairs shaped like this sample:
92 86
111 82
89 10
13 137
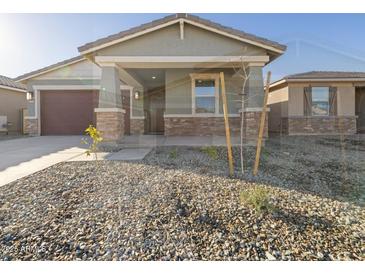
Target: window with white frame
205 89
320 101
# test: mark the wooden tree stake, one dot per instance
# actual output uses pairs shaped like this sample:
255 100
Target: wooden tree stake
262 126
226 124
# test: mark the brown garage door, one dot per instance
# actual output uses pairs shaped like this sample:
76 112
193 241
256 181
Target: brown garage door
67 112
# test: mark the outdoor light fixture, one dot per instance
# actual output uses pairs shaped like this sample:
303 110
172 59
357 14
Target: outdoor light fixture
30 96
153 77
136 95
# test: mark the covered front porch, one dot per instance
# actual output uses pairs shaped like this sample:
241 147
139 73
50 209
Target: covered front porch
176 96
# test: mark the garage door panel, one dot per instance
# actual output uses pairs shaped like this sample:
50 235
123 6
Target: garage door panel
67 112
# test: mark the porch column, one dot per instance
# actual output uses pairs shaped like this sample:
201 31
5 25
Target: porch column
253 105
109 114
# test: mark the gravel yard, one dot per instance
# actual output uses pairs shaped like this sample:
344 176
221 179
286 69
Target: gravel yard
178 204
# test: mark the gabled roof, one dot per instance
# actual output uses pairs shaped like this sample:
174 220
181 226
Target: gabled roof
326 75
6 82
310 76
49 68
238 34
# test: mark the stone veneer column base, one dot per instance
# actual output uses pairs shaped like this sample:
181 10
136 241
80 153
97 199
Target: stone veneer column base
111 124
31 126
200 126
313 125
137 126
252 124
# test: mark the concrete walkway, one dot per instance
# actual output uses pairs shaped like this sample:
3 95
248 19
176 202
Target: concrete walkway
24 156
126 154
160 140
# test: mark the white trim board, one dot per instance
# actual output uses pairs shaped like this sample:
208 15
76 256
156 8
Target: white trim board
49 70
181 59
13 89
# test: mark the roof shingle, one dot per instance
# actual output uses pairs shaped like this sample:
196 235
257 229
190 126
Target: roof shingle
8 82
193 18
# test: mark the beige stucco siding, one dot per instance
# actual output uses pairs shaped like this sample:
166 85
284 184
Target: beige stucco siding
167 42
278 103
11 103
346 100
296 100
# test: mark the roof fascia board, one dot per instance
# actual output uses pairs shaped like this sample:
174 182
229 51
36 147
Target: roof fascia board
180 59
327 80
313 80
13 89
49 70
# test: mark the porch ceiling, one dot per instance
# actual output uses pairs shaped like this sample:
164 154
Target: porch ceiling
151 78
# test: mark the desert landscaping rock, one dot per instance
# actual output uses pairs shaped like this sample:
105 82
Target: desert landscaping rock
177 206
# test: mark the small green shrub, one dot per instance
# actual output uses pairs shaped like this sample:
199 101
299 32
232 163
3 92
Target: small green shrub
211 151
96 138
258 198
173 153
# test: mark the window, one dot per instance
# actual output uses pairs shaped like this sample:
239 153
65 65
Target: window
205 93
320 101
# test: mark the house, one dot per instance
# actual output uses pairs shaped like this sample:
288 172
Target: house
318 102
12 102
158 78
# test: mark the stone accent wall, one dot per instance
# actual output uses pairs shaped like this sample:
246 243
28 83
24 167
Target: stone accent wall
137 126
200 126
321 125
111 125
31 126
252 124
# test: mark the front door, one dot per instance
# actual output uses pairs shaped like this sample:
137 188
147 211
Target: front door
156 110
127 108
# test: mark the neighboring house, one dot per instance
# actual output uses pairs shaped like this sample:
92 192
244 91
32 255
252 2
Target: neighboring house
158 78
12 101
318 102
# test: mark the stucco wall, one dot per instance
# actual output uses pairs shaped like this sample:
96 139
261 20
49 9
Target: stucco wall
278 103
296 100
82 69
167 42
11 102
346 100
179 94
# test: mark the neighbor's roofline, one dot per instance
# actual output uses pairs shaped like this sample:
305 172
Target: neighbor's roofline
301 80
173 19
13 89
50 68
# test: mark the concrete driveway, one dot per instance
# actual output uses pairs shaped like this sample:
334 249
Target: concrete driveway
24 156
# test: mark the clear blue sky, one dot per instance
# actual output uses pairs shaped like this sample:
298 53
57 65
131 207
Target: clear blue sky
315 41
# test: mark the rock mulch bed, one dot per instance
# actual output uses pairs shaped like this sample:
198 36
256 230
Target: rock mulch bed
155 211
319 165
